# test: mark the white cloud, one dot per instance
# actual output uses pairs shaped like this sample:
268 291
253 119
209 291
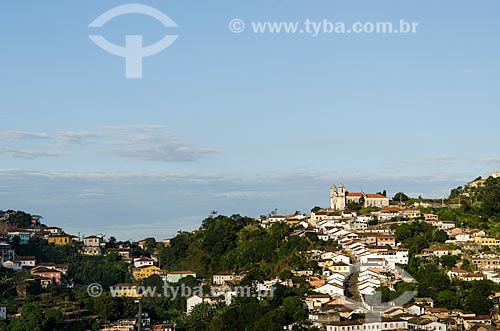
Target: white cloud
142 142
22 135
29 154
492 161
134 127
472 71
116 202
159 148
79 137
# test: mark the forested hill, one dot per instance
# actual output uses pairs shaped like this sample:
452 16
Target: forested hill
479 206
237 244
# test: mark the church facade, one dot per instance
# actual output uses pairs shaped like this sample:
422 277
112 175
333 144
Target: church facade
339 198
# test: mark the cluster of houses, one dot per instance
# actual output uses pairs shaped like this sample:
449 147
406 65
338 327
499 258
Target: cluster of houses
418 315
145 267
132 324
351 274
365 256
46 273
224 287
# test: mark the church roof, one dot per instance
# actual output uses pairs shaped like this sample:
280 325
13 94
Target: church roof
376 196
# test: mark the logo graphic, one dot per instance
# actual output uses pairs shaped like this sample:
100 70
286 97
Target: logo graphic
133 51
94 290
372 303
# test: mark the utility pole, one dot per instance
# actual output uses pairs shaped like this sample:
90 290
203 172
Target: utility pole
139 319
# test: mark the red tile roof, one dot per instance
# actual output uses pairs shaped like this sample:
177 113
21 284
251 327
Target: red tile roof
376 196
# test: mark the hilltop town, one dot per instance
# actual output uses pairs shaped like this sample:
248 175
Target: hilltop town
365 262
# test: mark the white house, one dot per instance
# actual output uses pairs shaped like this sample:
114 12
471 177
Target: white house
27 261
195 300
415 309
336 276
335 281
330 289
276 218
341 268
393 257
463 237
315 301
418 323
13 264
457 273
92 245
54 230
439 252
367 289
221 279
470 277
3 312
143 262
382 325
328 255
495 278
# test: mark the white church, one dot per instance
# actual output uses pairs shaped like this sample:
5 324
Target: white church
339 198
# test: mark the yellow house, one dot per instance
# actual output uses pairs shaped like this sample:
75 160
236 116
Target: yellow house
59 240
144 272
487 241
125 290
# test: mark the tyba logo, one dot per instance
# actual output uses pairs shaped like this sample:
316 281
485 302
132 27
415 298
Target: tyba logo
134 52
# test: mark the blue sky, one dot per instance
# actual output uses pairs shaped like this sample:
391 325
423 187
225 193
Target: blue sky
240 123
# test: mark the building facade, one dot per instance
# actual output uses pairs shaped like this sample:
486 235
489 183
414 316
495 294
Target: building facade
339 198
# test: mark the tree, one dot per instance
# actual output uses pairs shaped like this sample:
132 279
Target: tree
477 303
476 299
448 261
400 196
490 197
404 232
54 319
200 316
150 244
315 209
385 293
32 319
448 299
22 219
356 206
15 242
106 306
153 281
293 309
440 236
111 242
